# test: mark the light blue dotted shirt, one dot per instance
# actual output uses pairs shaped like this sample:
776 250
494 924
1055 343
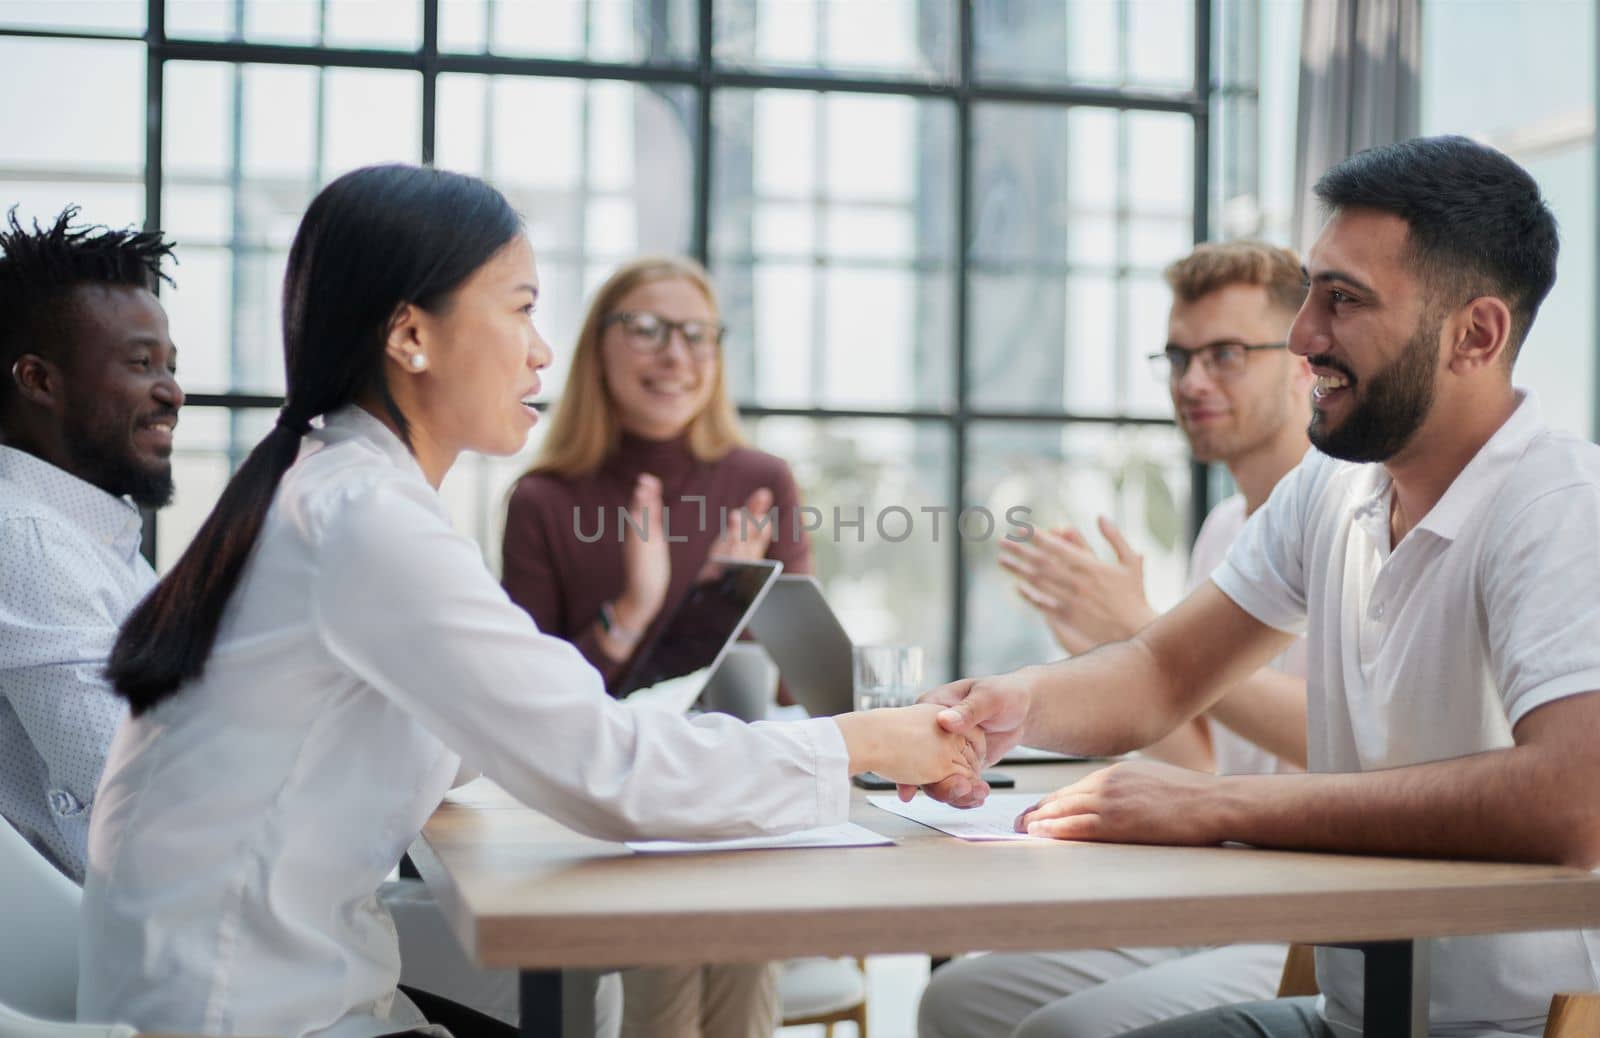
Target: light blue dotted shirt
70 572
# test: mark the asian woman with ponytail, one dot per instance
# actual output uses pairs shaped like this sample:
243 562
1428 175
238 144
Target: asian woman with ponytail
328 653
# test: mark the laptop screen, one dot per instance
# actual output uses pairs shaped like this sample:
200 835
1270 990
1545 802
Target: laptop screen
704 623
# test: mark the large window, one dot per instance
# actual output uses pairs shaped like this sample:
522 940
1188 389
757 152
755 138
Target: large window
937 227
1544 117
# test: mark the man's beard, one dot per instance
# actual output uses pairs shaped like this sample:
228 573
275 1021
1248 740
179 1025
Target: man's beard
101 454
1390 408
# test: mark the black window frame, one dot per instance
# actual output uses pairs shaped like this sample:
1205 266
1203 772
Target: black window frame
705 76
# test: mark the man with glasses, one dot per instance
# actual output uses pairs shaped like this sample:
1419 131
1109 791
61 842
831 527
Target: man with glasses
1244 401
1440 554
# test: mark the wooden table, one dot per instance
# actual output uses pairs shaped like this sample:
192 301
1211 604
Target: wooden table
523 891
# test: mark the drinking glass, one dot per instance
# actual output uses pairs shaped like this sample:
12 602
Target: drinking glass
887 675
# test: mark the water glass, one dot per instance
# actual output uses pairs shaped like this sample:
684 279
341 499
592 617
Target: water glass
887 675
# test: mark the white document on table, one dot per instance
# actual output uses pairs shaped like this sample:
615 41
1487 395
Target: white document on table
847 835
995 820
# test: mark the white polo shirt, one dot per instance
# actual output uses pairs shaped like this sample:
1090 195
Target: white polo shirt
1233 754
1435 649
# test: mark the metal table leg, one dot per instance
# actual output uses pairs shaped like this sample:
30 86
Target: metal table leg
1396 977
539 992
558 1004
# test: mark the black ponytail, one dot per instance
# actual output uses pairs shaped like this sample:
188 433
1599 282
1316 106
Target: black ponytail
371 241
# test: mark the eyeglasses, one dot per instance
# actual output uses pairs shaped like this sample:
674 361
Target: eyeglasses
1220 359
649 333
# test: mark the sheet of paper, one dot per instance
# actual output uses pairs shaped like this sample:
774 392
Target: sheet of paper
993 821
847 835
1032 755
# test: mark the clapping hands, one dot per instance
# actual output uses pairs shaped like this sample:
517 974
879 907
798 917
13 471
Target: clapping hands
746 534
1086 600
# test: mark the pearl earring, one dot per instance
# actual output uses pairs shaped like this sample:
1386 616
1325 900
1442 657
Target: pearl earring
418 362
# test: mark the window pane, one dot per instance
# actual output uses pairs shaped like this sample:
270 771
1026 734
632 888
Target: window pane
86 146
200 318
1257 61
845 37
1075 212
234 192
375 24
624 31
601 171
1544 118
881 561
1137 476
1147 44
118 16
209 444
833 240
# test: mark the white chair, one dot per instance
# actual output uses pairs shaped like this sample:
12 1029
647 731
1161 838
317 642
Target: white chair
39 948
824 991
39 944
19 1025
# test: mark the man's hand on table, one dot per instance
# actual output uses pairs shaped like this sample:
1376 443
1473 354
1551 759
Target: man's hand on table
1137 801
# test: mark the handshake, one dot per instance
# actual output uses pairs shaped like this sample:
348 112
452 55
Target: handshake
943 742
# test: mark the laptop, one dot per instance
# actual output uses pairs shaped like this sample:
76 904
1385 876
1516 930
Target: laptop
800 632
805 639
672 669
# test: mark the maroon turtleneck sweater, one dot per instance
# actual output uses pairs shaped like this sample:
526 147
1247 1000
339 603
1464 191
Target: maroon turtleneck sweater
550 571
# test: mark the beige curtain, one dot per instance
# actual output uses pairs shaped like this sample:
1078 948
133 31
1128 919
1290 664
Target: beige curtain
1360 64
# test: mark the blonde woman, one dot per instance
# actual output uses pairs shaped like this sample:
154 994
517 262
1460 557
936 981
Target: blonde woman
645 421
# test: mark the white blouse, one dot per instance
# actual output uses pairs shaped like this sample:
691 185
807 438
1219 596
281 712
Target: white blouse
243 826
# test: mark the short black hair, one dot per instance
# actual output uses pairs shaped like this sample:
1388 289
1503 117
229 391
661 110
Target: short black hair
39 269
1478 223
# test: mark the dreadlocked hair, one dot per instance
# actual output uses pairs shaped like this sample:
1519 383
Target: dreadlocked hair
41 268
